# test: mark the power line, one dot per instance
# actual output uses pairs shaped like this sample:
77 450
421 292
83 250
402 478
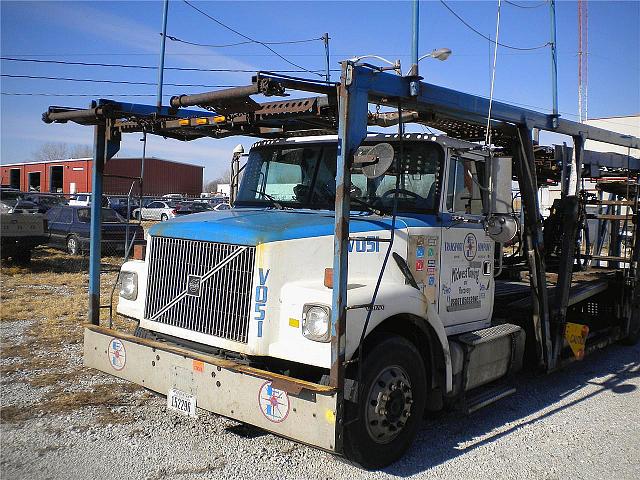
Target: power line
247 42
514 4
101 95
489 38
148 67
249 38
123 82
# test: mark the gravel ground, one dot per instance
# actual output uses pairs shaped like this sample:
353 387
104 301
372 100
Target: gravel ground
582 422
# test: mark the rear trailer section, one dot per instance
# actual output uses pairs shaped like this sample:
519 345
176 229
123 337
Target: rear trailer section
286 406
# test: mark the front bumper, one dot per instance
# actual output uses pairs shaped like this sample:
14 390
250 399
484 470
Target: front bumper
292 408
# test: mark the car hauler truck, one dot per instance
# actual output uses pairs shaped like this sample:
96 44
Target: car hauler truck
357 282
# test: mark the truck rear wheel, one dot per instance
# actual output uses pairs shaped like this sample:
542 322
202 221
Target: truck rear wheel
382 426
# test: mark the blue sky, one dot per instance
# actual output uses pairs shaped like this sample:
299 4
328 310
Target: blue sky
127 33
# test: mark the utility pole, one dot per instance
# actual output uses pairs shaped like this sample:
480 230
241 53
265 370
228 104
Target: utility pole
554 64
325 38
414 84
165 10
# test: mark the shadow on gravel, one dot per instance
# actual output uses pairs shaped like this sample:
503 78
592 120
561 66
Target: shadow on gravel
453 435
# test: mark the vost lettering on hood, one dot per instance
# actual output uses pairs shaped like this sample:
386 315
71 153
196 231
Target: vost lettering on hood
371 244
262 292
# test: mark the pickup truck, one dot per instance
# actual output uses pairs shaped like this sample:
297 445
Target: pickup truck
21 233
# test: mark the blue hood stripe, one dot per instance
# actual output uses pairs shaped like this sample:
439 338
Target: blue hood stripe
251 226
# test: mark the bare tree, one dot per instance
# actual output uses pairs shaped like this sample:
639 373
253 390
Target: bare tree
82 151
61 151
211 187
51 151
225 177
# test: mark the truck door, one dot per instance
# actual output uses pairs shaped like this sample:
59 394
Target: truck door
466 258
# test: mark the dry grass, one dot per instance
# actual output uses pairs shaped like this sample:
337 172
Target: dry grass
52 294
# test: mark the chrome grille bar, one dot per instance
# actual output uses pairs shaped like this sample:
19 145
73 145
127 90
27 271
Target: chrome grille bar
223 273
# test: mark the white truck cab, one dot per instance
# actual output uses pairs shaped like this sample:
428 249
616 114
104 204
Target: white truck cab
251 282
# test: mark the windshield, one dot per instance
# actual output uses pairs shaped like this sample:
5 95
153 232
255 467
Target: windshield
304 177
108 216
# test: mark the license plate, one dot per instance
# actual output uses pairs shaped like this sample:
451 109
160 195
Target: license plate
181 402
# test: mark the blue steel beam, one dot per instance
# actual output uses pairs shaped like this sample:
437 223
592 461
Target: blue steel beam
352 130
386 88
106 144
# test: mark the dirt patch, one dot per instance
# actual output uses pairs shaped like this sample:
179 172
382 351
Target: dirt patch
50 296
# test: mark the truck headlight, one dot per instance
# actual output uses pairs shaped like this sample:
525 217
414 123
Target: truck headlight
129 285
315 322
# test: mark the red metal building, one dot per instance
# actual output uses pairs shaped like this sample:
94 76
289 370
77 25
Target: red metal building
74 176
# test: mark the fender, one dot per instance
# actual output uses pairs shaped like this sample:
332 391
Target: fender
393 300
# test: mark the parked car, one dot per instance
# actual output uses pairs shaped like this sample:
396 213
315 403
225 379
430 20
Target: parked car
45 202
69 229
13 201
80 199
222 206
161 210
197 207
119 204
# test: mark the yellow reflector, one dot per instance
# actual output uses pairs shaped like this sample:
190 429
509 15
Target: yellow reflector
184 122
219 119
294 322
576 336
201 121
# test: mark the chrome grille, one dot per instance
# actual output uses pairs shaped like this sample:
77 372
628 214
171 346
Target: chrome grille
221 305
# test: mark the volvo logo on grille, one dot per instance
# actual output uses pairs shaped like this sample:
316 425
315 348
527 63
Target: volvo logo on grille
193 285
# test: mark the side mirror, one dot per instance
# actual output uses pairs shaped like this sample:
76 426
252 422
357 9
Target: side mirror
375 161
501 228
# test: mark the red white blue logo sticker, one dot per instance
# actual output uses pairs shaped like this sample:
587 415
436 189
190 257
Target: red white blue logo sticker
470 246
274 403
117 354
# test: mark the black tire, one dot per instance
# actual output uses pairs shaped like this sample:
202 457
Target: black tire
164 217
136 215
73 245
23 257
393 373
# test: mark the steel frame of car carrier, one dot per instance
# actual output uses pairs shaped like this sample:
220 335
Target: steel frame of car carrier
343 107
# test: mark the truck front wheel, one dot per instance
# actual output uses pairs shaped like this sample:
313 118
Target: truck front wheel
381 427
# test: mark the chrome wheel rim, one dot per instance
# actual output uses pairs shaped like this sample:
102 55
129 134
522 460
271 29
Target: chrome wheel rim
389 404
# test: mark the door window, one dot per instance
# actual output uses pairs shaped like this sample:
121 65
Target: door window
53 214
66 216
466 192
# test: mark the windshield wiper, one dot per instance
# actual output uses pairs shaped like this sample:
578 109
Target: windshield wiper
273 201
370 208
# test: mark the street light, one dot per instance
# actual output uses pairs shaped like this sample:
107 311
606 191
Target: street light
441 54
